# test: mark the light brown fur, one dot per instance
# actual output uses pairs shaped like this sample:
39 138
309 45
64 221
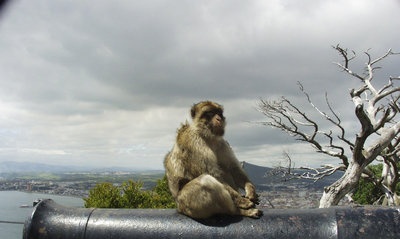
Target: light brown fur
203 173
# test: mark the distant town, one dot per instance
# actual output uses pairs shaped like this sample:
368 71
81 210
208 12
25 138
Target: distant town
73 183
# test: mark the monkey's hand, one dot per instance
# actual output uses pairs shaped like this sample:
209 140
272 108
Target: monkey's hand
251 193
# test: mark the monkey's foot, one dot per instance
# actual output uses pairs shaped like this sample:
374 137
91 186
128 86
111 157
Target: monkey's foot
244 203
254 198
253 213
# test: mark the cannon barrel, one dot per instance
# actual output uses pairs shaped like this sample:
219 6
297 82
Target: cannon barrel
50 220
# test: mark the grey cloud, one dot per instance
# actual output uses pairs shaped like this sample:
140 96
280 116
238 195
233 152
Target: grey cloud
64 60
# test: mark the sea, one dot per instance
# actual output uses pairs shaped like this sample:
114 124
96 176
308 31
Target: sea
16 207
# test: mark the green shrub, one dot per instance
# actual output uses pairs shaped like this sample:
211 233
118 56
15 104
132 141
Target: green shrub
104 195
130 194
367 192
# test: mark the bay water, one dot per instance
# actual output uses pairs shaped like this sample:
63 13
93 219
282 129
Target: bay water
14 210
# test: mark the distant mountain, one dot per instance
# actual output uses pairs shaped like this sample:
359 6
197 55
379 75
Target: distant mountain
18 167
21 167
257 174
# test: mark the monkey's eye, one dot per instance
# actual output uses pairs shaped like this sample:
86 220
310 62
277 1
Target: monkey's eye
211 113
208 114
219 112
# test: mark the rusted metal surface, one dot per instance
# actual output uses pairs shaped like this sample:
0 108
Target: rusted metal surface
50 220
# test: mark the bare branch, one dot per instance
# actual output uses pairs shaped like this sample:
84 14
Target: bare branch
369 56
382 95
319 173
315 174
286 116
349 71
389 52
381 143
344 54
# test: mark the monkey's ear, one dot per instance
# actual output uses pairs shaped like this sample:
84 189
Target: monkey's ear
193 111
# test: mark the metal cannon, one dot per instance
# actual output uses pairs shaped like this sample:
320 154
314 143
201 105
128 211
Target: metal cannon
50 220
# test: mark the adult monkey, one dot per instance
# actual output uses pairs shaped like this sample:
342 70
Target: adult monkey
203 173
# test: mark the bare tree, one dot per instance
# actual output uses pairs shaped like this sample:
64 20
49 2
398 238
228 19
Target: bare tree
378 139
284 169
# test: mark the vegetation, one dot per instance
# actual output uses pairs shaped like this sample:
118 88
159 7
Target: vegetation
368 191
130 194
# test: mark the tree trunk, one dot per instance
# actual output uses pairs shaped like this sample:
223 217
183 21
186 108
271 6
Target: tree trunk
335 192
390 179
393 200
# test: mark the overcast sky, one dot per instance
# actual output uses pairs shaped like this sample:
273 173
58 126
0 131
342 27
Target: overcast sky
107 83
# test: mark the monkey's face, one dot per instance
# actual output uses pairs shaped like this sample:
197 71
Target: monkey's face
209 116
215 121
